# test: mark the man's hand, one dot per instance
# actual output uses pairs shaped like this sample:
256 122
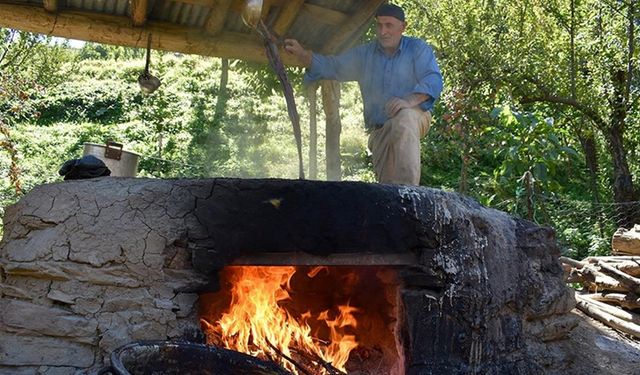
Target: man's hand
293 47
394 105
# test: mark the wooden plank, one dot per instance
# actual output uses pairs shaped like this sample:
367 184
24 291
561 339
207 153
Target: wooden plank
324 15
288 14
351 27
217 16
117 30
138 12
50 5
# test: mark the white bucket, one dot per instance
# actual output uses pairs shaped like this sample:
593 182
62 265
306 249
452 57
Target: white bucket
121 163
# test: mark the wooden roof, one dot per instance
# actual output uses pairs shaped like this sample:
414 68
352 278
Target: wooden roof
203 27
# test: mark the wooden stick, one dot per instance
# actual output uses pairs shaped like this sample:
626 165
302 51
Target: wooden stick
621 325
328 366
572 262
614 258
615 311
630 282
629 301
281 354
595 280
628 266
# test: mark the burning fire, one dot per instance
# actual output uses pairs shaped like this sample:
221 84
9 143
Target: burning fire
257 322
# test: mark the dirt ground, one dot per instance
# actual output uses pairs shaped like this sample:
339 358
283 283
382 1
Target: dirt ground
593 349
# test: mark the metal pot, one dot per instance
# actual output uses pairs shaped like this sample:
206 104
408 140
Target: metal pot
121 163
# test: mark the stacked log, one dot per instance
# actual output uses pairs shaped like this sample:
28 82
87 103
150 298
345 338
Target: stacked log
626 242
610 289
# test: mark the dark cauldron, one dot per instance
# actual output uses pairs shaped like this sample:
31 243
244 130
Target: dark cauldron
172 358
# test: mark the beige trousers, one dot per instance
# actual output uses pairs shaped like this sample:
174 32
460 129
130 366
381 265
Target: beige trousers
396 147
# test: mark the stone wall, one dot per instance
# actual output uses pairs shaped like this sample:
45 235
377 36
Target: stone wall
88 266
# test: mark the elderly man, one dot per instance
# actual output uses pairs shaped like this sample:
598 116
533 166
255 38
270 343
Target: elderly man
399 80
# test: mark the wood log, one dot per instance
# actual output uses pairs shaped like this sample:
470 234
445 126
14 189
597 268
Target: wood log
572 262
312 90
629 301
613 310
627 264
619 324
333 127
632 283
117 30
595 281
613 258
626 241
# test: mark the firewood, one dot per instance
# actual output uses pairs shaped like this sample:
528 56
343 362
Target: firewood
595 280
630 266
628 301
619 324
613 258
615 311
293 362
632 283
626 241
572 262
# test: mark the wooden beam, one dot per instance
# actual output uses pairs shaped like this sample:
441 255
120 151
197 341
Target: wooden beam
324 15
217 16
238 5
350 27
138 12
288 14
202 3
50 5
117 30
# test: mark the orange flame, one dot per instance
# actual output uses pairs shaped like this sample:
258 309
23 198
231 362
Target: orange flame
256 322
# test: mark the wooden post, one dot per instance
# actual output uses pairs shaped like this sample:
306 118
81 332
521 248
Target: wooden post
331 103
313 130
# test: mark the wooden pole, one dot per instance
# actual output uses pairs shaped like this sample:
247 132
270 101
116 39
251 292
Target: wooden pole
313 130
331 103
620 324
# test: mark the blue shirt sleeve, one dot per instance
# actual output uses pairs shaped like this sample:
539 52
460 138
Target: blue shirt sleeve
428 73
344 67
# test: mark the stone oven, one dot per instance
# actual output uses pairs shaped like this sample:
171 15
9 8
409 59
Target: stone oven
438 283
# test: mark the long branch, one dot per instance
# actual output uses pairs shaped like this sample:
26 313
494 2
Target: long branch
550 98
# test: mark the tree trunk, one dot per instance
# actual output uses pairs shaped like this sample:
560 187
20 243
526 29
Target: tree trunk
589 147
623 189
223 95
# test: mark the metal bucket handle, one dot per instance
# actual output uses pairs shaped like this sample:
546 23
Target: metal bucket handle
113 150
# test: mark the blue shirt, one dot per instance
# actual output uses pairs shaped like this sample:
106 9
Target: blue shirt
411 69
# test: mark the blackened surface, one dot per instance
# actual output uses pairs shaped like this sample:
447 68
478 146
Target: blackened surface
319 218
482 275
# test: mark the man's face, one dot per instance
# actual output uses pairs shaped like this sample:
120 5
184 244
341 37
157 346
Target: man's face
389 31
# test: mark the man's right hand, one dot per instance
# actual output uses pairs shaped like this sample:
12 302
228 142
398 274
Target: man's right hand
293 47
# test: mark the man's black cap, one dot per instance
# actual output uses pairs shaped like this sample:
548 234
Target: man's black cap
391 10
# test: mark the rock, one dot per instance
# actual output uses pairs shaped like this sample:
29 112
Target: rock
48 321
49 351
